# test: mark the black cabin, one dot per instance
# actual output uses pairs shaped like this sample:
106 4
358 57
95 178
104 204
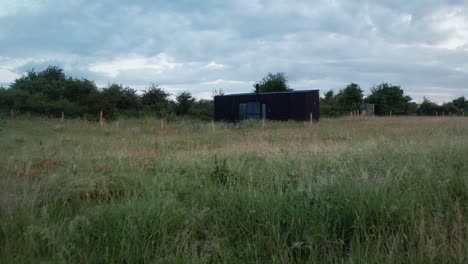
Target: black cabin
293 105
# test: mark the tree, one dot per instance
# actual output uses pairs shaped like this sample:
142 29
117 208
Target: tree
203 110
427 107
450 108
274 83
217 92
329 95
51 91
328 105
116 100
156 100
388 99
184 103
412 108
14 99
461 103
52 73
350 98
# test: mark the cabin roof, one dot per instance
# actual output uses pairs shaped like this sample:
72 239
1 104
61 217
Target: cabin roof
288 92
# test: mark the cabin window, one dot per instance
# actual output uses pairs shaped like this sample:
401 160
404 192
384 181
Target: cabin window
252 110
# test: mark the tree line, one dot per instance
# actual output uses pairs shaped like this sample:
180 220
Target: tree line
51 92
388 99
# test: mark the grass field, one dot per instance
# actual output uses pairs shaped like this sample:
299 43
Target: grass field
381 190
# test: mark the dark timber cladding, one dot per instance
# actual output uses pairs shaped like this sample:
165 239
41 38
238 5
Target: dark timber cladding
294 105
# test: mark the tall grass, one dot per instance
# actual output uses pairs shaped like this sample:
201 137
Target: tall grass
381 190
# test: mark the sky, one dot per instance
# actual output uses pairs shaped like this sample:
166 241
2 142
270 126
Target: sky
199 46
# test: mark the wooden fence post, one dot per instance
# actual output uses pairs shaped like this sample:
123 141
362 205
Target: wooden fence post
162 125
117 124
101 122
12 114
63 117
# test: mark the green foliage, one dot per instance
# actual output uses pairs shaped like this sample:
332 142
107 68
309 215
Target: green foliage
349 98
51 92
427 107
203 109
449 108
329 105
274 83
218 92
52 73
461 103
156 100
184 103
456 107
118 100
388 99
221 174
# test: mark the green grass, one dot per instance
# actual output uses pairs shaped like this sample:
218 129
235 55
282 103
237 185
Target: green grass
381 190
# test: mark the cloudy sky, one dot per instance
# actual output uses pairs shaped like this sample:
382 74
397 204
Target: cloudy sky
200 46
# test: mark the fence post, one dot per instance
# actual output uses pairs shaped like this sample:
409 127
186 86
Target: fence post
162 125
101 118
12 113
63 117
117 124
311 118
437 113
212 125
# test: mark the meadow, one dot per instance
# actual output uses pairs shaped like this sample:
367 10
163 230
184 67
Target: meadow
376 190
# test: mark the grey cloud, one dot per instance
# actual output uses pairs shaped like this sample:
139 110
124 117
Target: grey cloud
324 44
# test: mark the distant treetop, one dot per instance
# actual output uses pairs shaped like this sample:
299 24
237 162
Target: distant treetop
274 83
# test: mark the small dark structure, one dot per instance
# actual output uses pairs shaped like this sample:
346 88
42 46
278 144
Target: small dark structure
293 105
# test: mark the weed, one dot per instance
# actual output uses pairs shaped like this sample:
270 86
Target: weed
221 174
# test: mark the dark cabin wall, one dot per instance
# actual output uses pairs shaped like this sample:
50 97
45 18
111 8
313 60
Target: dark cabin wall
296 105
